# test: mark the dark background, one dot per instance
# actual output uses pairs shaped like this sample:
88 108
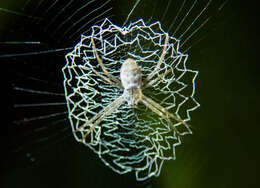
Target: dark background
222 152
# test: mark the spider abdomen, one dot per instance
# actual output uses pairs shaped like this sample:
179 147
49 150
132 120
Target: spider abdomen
131 79
131 75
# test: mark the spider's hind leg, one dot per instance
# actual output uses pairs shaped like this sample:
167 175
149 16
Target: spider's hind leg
161 60
112 78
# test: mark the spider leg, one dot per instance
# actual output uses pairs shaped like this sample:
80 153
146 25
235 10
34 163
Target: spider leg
159 77
106 79
161 111
112 78
161 114
101 115
151 75
151 82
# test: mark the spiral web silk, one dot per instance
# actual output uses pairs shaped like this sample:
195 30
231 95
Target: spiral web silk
129 139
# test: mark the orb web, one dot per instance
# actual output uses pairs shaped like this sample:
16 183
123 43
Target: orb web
129 139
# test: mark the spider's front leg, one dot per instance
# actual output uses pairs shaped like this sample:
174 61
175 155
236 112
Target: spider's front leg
94 121
162 112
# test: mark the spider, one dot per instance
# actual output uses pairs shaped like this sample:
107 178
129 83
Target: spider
132 84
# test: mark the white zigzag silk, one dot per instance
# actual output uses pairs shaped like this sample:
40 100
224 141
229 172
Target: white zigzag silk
129 139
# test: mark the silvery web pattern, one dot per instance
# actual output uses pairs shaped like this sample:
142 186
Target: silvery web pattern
129 139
